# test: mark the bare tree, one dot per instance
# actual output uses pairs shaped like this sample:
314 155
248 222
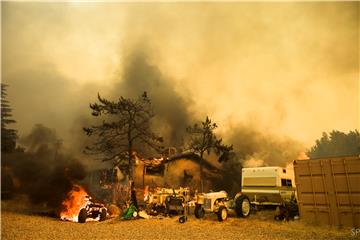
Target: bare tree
203 140
125 127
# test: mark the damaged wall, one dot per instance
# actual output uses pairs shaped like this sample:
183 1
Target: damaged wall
178 173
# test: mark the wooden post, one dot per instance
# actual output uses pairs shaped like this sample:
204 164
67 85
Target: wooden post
144 172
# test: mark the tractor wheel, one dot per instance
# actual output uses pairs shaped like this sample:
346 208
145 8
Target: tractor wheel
199 211
222 213
242 206
82 215
102 215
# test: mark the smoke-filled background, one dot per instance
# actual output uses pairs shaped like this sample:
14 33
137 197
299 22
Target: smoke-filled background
43 172
274 76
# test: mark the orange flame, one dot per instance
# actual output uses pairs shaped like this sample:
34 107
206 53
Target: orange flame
146 193
75 200
302 156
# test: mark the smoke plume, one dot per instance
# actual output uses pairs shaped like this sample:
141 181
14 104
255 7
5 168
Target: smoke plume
258 149
41 171
139 75
256 61
290 70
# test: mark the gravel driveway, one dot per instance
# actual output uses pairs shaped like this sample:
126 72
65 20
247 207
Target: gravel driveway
17 223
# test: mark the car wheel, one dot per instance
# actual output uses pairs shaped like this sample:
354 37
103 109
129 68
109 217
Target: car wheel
222 213
199 211
242 206
82 216
103 215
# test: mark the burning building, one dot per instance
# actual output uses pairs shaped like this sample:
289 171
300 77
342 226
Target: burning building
175 171
168 170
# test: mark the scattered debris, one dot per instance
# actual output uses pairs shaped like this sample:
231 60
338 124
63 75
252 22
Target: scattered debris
113 210
143 214
288 210
167 201
130 212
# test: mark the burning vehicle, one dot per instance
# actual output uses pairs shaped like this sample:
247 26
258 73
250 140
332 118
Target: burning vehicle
79 207
92 210
219 203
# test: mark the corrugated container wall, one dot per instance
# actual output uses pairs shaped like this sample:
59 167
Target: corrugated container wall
328 190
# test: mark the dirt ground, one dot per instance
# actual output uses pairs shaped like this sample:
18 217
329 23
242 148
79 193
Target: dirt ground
21 223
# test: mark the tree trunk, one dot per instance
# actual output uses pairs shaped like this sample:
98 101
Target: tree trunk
201 172
131 172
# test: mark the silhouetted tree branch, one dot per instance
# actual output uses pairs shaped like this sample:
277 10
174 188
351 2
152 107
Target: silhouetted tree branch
126 125
203 140
8 135
336 143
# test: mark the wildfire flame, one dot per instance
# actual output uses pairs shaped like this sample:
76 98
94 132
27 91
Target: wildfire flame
302 156
75 200
146 193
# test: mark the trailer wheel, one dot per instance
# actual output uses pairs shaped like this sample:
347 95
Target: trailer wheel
199 211
182 219
278 216
82 215
242 206
222 213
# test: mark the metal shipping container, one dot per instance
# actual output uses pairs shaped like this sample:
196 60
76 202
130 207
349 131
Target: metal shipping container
328 190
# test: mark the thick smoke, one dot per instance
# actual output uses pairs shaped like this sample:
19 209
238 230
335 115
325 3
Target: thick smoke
257 149
292 71
226 67
139 75
40 137
41 170
252 147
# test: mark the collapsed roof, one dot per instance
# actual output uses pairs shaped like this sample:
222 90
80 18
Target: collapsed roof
158 164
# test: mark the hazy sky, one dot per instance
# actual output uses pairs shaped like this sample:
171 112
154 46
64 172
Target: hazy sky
290 69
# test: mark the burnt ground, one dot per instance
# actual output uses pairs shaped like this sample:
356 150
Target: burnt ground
19 222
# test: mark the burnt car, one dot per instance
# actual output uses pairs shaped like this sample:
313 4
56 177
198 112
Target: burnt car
96 211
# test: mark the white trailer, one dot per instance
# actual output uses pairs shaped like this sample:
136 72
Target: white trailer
268 185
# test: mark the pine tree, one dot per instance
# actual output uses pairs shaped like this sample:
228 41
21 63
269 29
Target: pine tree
336 144
203 140
8 135
125 128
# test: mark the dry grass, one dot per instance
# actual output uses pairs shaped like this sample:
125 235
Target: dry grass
19 223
